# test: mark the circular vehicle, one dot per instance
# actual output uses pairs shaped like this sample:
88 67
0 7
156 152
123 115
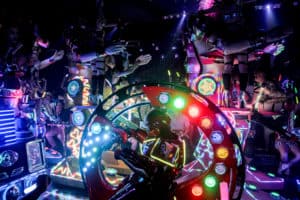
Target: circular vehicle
120 158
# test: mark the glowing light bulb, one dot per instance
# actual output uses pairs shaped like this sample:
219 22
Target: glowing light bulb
210 181
179 103
194 111
197 190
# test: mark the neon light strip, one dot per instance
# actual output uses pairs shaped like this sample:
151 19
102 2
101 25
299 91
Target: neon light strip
250 194
159 159
141 148
30 188
163 161
7 128
6 119
85 92
5 115
9 136
7 132
224 190
184 152
2 111
12 140
10 123
262 181
230 179
145 141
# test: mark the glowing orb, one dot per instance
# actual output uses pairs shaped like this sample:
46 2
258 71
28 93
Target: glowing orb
222 152
206 123
96 128
220 168
210 181
73 88
78 118
217 137
164 98
179 103
207 86
194 111
197 190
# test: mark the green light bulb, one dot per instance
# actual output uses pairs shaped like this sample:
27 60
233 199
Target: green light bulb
179 103
210 181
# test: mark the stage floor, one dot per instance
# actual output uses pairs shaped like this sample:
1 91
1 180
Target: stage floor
260 183
258 186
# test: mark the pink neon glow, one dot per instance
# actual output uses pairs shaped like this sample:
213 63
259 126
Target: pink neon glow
43 44
224 191
206 4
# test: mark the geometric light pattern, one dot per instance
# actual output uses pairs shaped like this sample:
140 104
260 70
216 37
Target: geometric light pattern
207 86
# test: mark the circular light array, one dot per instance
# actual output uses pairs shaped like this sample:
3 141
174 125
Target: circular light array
207 86
73 88
78 118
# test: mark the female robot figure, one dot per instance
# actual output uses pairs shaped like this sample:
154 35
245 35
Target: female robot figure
55 119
